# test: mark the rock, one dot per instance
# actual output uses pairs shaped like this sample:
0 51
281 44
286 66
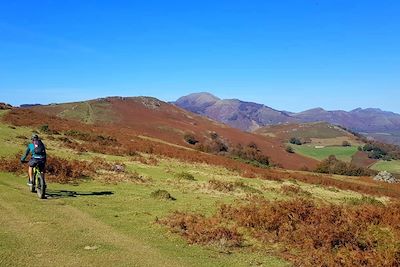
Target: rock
91 247
118 168
387 177
5 106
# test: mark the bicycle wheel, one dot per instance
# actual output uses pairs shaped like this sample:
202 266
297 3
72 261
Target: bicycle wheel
40 186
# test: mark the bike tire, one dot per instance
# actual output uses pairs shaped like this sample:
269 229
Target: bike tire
41 187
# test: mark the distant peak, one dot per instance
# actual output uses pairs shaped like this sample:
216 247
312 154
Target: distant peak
315 110
204 95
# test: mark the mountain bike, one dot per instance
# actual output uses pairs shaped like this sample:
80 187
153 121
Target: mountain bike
38 184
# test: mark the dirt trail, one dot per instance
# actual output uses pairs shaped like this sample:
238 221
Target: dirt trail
60 234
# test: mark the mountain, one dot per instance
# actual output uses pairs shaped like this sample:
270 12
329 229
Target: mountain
243 115
158 121
29 105
372 122
368 120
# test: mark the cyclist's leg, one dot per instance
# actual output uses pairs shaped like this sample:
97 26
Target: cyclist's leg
32 163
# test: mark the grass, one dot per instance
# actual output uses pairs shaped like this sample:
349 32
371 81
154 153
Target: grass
116 222
121 226
390 166
341 153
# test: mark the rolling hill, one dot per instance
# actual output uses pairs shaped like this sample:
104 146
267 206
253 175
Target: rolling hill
372 122
153 119
169 204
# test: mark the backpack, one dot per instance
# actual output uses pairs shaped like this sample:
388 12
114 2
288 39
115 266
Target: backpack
39 149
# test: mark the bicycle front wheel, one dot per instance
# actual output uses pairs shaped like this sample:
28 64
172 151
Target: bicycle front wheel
40 186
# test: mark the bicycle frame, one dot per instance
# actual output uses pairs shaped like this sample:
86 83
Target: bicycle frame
38 182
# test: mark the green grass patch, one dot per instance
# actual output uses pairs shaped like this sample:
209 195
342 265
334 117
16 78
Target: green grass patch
341 153
390 166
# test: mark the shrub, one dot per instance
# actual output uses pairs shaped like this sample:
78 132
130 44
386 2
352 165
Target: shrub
221 186
295 141
364 200
310 234
294 190
346 143
289 149
200 230
332 165
250 154
44 128
322 235
162 195
185 176
190 139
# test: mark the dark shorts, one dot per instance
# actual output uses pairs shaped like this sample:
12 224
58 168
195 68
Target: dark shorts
41 163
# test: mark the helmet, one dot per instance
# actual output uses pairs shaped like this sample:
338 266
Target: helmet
35 137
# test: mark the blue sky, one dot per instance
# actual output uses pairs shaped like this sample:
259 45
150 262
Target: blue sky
291 55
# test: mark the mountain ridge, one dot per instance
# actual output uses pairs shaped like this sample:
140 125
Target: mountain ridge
250 116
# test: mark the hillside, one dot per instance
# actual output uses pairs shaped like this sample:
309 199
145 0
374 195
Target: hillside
152 118
375 123
320 140
170 205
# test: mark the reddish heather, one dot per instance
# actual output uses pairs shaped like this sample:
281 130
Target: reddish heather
361 159
128 142
154 118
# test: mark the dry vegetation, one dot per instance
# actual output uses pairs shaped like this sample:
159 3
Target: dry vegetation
61 170
308 234
122 141
198 229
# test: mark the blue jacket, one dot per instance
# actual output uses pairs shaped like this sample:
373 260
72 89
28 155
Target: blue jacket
31 150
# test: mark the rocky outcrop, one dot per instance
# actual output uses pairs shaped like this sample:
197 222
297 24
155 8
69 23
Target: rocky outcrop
386 177
5 106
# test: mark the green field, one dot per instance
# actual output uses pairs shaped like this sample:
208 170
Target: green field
342 153
390 166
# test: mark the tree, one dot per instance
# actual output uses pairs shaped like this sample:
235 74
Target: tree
289 149
346 143
295 141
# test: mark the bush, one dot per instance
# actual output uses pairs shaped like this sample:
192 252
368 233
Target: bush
162 194
190 139
289 149
200 230
44 128
294 190
364 200
332 165
221 186
185 176
295 141
346 143
250 154
322 235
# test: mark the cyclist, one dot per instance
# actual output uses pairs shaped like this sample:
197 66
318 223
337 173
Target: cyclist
38 156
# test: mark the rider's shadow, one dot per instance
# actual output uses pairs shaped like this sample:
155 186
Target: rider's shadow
67 193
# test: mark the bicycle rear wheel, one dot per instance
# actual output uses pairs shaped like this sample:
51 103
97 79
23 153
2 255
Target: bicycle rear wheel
40 186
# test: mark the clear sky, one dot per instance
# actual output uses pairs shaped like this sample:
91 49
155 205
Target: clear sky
290 55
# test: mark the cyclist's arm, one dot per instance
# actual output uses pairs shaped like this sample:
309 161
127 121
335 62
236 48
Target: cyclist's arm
28 150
